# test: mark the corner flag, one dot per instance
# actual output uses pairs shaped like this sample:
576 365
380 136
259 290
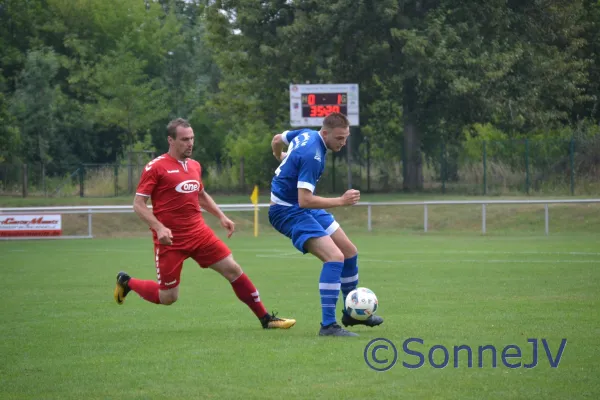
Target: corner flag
254 200
254 195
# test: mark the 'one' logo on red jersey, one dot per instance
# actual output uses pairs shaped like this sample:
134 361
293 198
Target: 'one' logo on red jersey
188 186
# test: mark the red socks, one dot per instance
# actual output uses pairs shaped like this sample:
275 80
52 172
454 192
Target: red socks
148 290
243 287
247 293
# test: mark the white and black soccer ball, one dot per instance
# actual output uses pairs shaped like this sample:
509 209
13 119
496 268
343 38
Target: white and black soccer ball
361 303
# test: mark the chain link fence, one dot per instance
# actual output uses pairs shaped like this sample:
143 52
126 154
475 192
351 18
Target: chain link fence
509 167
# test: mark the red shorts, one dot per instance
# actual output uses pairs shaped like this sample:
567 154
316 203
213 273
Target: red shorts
206 249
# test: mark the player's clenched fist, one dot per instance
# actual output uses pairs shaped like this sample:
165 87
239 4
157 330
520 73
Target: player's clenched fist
351 197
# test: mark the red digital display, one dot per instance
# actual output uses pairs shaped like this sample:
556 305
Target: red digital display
317 105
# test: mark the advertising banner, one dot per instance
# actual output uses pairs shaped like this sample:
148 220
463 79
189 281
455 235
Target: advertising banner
30 225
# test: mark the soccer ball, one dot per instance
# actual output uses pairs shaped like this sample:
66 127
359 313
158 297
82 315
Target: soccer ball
361 303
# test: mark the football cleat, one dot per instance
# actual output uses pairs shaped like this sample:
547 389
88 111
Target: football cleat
271 321
335 330
122 287
372 321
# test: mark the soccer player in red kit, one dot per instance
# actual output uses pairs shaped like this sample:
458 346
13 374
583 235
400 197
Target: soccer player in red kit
173 182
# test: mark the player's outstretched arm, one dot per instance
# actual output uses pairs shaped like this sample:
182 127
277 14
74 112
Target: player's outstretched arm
306 199
141 209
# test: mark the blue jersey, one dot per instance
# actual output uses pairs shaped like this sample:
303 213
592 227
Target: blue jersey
301 168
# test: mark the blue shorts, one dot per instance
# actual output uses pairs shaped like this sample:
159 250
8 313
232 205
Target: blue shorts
301 224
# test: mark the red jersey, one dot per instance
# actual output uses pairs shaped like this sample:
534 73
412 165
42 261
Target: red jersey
173 187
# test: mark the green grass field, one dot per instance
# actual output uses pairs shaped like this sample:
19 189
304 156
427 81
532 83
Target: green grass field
63 337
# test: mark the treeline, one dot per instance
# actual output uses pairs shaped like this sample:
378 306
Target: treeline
94 80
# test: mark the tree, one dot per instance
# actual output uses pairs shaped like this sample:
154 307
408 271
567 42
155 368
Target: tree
9 132
125 96
35 105
432 66
20 23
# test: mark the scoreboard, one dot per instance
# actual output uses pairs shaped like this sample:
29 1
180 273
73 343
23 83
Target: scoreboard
310 104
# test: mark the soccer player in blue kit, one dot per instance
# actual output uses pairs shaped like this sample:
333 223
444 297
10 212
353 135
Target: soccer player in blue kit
299 214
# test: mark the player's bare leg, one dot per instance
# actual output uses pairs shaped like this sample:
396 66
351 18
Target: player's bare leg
248 294
169 296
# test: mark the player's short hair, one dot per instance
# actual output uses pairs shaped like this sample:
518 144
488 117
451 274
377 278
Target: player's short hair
336 120
172 127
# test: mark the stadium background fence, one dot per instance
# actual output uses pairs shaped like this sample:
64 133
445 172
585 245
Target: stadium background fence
508 167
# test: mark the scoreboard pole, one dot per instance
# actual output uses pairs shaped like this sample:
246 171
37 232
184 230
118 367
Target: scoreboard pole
349 157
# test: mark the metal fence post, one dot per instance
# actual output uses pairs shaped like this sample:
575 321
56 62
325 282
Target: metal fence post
425 218
483 218
443 165
527 165
572 162
90 223
25 183
484 169
81 181
368 164
44 180
369 223
116 180
546 218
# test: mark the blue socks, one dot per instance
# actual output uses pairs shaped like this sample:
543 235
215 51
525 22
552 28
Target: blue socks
349 275
336 276
329 288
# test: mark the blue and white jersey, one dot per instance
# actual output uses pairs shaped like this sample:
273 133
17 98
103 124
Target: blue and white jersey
301 168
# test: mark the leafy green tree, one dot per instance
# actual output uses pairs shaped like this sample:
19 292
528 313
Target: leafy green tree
590 53
125 96
20 32
9 132
105 75
35 105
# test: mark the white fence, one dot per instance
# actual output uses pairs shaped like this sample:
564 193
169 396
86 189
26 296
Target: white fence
90 210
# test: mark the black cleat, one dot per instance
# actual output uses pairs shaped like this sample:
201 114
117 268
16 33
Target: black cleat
271 321
122 287
372 321
335 330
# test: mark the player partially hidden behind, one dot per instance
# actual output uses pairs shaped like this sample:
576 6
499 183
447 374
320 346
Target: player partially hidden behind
298 214
173 182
